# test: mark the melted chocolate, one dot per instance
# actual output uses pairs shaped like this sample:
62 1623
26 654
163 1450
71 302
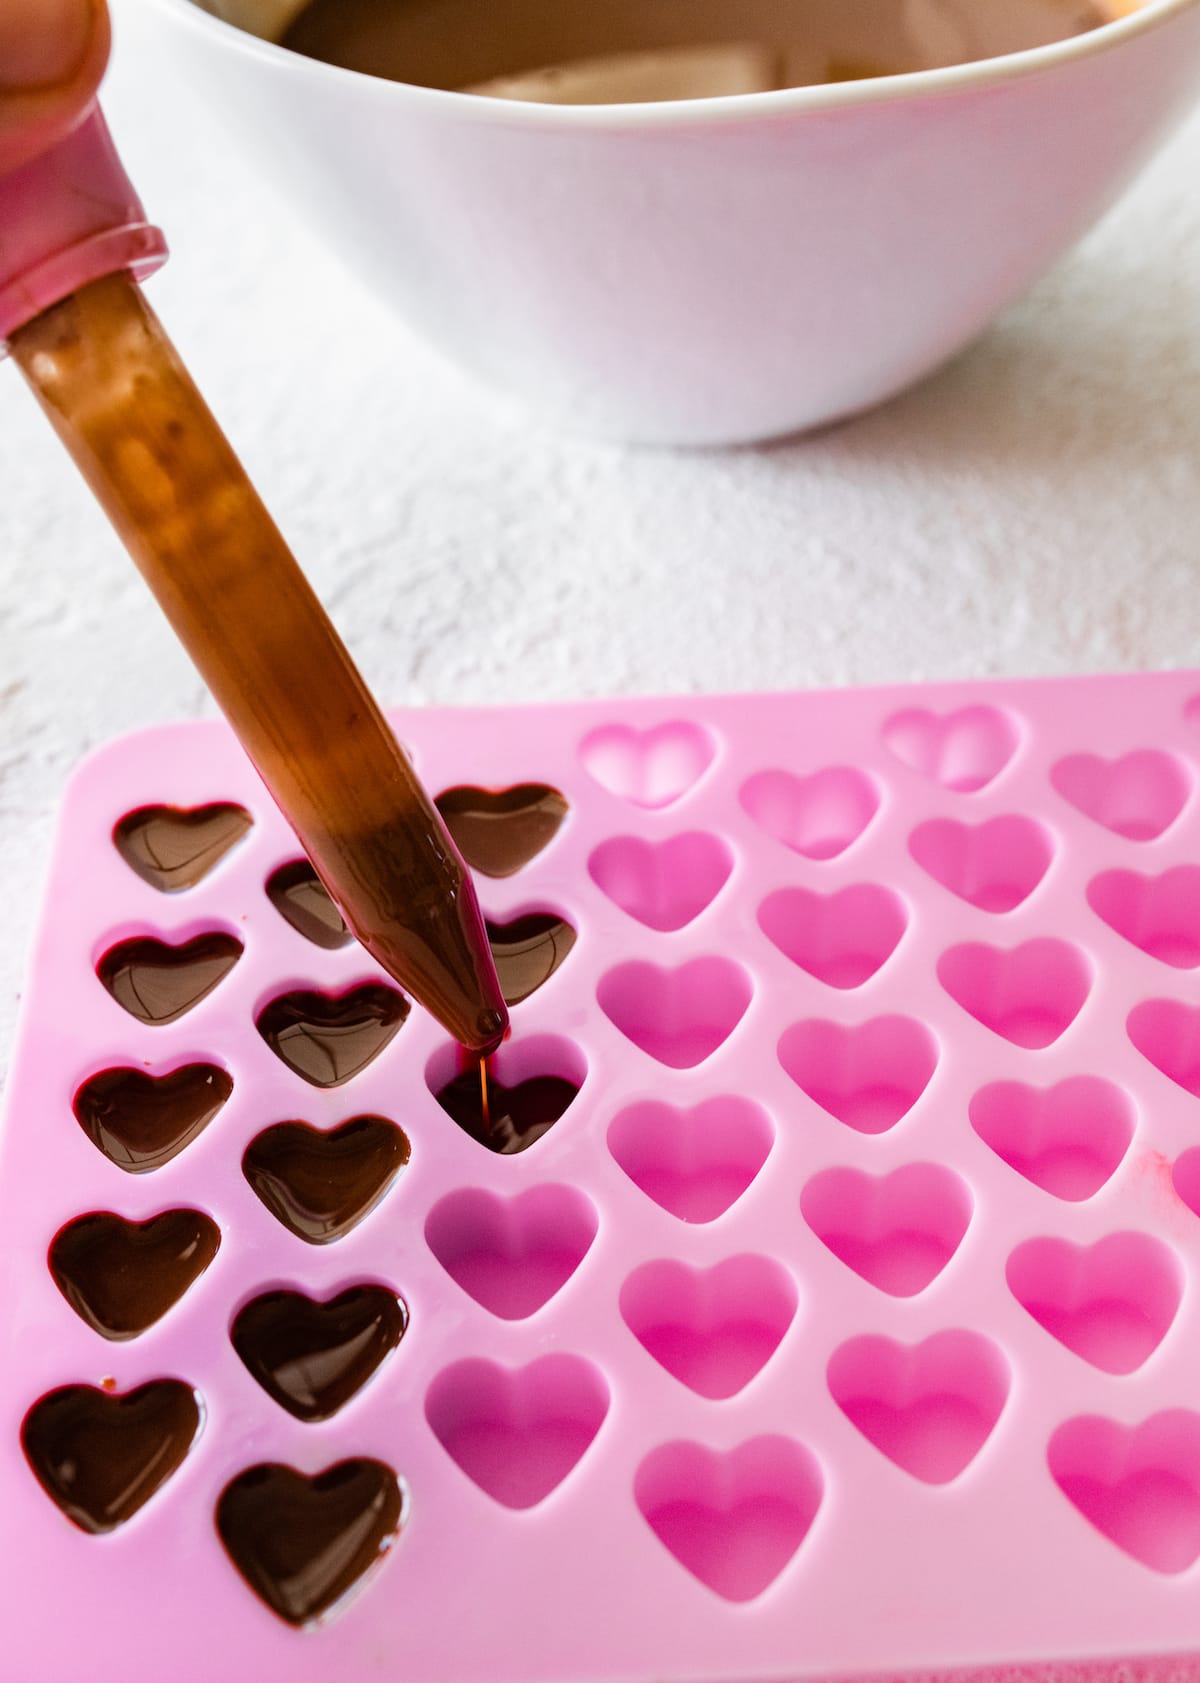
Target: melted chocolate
156 983
297 894
173 847
301 1543
121 1276
320 1185
528 951
497 831
312 1357
141 1121
516 1117
101 1456
329 1039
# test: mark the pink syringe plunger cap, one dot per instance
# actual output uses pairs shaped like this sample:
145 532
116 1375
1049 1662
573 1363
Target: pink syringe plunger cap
69 217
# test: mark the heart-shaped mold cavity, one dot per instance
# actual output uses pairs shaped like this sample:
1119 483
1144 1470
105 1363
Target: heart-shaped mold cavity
312 1357
732 1520
928 1407
1111 1303
498 831
518 1432
842 939
512 1255
299 896
1068 1139
1185 1177
1029 995
868 1076
157 982
1167 1033
100 1455
140 1121
818 816
651 768
1139 1486
963 751
1138 796
516 1098
121 1276
1161 915
528 951
678 1016
694 1163
320 1183
994 866
667 884
173 848
302 1544
713 1328
898 1230
330 1038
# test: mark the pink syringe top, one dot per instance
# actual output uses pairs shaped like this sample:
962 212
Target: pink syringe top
68 217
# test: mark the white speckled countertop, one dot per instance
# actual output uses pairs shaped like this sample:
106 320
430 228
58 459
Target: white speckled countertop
1034 508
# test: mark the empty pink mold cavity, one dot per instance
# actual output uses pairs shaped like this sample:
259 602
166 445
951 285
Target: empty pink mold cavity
666 884
899 1230
712 1328
1161 915
1167 1033
995 866
1110 1303
518 1432
678 1016
842 939
1138 796
928 1407
867 1076
818 816
1185 1177
735 1520
1138 1485
1068 1139
694 1163
1029 995
963 751
652 768
512 1255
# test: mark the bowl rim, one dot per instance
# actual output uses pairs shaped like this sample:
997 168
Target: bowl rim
718 110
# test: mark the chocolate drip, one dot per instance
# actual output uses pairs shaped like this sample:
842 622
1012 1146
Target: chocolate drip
516 1117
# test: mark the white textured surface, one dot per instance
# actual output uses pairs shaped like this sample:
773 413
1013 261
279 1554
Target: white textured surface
1034 508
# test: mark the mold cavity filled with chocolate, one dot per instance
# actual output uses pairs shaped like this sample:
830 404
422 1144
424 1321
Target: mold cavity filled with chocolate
299 896
321 1184
140 1121
329 1038
313 1357
173 848
505 1119
157 982
498 831
528 951
121 1276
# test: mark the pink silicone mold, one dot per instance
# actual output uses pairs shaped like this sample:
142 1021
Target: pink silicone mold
828 1311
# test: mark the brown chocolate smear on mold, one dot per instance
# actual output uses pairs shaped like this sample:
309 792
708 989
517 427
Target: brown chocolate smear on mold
102 1455
173 847
121 1276
516 1117
140 1121
302 1543
498 831
528 951
313 1357
318 1184
299 896
156 983
328 1039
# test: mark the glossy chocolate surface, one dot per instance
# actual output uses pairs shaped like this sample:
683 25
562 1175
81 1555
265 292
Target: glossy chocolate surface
313 1357
321 1184
157 982
297 894
329 1038
516 1117
140 1121
173 848
498 831
528 951
121 1276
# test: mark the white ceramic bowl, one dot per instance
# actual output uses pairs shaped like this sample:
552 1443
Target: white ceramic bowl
716 270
